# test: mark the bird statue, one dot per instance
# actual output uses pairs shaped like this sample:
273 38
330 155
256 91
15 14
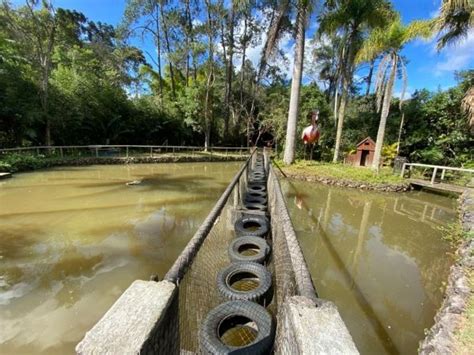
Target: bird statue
311 133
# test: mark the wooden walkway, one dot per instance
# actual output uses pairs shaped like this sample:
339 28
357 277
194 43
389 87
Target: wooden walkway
5 175
439 187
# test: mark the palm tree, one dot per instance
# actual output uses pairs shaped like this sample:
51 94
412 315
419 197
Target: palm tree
455 19
293 111
389 42
351 19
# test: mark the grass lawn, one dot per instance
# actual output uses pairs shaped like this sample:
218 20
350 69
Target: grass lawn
341 172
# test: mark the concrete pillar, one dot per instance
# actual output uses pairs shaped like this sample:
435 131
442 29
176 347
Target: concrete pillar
307 328
143 320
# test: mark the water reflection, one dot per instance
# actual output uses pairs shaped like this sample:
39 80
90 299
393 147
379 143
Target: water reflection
379 257
71 240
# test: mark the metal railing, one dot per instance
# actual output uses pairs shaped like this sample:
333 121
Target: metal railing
121 150
435 170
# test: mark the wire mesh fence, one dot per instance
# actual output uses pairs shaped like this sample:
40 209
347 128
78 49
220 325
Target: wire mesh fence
198 294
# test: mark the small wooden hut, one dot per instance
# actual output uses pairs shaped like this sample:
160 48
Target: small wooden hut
364 154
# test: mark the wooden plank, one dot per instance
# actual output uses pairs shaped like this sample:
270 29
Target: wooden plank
438 186
5 175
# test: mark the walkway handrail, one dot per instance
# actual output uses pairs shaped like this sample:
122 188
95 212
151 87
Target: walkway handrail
185 259
435 167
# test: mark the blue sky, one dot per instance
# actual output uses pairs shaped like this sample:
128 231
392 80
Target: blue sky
426 68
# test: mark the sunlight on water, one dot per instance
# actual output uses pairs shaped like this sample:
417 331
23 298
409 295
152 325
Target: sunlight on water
73 239
378 256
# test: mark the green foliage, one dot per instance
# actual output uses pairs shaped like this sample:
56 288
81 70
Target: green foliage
343 172
454 234
389 152
22 162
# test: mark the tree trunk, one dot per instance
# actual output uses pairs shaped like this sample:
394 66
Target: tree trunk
244 52
209 82
187 35
158 51
383 117
293 111
340 120
369 77
168 50
229 71
400 132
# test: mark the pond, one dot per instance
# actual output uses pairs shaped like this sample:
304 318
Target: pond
73 239
378 256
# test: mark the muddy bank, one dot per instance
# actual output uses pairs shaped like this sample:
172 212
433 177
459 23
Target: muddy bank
350 183
440 338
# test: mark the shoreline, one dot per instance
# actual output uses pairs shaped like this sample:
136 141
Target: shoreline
53 162
450 320
383 187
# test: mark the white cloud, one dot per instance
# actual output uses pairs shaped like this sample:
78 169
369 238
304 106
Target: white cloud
408 93
457 56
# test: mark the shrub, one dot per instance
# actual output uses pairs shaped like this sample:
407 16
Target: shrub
21 162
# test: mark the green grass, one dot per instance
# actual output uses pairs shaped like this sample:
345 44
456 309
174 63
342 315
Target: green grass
342 172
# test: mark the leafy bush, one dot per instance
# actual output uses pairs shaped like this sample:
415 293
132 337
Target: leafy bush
21 162
5 167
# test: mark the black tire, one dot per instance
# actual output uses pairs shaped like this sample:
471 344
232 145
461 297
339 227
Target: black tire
256 226
245 281
255 207
251 193
255 199
230 315
239 249
256 187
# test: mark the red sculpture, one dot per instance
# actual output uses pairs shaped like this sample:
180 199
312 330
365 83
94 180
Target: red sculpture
311 133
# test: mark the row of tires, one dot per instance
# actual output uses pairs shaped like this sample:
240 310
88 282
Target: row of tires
242 325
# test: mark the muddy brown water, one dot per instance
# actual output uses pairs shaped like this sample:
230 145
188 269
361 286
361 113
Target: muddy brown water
73 239
378 256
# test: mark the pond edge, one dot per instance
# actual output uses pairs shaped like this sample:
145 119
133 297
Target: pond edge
441 337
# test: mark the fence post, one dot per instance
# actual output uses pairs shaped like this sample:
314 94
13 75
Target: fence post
37 151
151 152
403 170
434 175
126 151
96 152
61 152
442 174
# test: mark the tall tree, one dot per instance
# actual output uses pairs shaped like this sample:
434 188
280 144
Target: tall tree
389 42
351 19
303 8
34 27
455 19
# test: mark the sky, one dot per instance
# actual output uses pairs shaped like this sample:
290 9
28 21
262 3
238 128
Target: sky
427 68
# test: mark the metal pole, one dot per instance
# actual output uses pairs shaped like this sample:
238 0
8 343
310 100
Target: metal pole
96 152
126 151
151 152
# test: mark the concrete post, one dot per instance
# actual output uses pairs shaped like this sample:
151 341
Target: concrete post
143 320
307 328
